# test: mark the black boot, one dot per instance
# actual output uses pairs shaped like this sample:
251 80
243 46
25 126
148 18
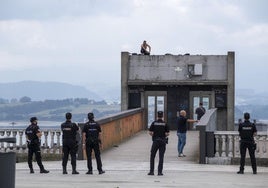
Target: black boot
44 171
254 170
64 170
31 170
74 170
101 172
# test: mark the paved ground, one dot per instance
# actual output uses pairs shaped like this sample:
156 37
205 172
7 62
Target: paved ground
127 165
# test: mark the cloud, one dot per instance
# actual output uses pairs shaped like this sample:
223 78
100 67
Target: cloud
59 36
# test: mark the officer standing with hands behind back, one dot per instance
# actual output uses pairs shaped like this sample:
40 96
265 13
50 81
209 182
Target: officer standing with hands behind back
247 131
159 131
69 143
92 141
33 135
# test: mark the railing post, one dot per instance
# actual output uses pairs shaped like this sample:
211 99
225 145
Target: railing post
2 133
230 139
258 144
8 144
217 154
14 145
223 154
58 133
46 142
20 140
237 146
52 134
265 146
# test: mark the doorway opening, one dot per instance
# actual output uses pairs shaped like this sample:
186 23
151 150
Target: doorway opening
155 101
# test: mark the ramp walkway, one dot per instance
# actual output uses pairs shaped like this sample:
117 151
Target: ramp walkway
127 165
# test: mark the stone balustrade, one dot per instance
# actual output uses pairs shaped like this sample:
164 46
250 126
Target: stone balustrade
50 140
227 144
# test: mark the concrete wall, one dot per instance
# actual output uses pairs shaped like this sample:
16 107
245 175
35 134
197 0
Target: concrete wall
121 127
175 68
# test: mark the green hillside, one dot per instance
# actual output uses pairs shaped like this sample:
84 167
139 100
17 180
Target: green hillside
54 110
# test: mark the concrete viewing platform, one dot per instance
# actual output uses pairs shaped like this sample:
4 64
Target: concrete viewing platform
127 165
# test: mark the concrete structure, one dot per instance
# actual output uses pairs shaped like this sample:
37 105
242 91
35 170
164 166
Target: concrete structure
175 82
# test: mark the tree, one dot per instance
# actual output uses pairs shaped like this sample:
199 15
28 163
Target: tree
25 99
13 100
3 101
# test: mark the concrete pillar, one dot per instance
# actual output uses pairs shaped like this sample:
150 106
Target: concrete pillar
202 143
124 79
230 90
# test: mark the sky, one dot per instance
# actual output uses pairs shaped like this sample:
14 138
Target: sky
80 41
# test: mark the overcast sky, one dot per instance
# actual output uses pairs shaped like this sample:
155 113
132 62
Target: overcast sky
80 41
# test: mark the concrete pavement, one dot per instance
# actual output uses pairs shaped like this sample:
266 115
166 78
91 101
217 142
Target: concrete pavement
127 165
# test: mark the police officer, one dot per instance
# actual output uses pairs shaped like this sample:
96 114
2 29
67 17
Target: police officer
159 131
33 135
92 141
200 111
247 131
69 143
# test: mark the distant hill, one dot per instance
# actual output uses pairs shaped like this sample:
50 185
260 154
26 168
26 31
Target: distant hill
39 91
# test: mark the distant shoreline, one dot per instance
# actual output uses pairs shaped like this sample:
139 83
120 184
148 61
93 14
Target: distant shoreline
23 125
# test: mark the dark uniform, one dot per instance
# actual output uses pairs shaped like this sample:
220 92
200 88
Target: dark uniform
92 141
200 111
246 133
69 143
33 144
159 128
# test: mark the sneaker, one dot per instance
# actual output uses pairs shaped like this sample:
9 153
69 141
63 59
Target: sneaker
180 155
160 174
101 172
254 172
240 172
89 172
183 155
44 171
64 172
150 173
31 171
75 172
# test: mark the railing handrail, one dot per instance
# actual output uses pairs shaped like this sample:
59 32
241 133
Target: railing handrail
259 133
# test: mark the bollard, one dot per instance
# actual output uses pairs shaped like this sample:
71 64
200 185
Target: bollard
8 165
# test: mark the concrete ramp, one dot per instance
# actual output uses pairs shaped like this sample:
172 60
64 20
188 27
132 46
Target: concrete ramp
138 148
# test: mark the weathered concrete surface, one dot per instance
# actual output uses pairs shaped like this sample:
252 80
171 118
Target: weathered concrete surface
127 166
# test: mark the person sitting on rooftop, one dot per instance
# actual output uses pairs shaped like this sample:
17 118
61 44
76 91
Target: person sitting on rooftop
144 47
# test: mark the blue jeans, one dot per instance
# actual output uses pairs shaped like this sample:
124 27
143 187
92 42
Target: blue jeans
181 141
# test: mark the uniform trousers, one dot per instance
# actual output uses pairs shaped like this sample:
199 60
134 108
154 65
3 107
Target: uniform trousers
34 149
93 146
69 147
243 148
158 144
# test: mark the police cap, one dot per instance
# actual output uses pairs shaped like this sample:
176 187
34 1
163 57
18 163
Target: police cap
90 116
32 119
68 115
246 115
160 114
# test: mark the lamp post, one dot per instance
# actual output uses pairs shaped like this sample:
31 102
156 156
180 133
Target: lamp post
13 123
